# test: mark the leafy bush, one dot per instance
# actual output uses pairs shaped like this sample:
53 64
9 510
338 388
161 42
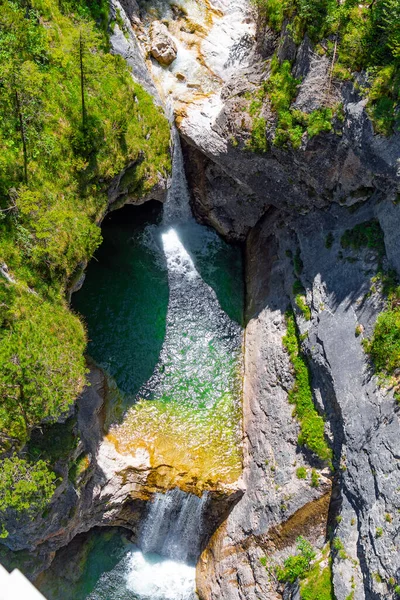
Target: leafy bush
24 487
312 428
297 566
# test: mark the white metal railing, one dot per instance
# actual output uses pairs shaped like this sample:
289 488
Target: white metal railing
15 586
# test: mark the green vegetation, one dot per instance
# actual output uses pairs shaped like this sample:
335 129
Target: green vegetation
281 88
354 37
329 240
315 575
301 473
314 479
337 545
311 423
365 235
258 137
384 345
24 487
378 532
318 584
298 565
300 299
71 118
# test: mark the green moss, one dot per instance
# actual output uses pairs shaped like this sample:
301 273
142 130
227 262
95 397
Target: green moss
311 423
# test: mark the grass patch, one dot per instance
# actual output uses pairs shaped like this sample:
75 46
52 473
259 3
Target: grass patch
311 423
318 584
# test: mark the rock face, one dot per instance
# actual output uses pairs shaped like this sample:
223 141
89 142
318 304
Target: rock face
232 186
284 202
163 47
277 507
362 418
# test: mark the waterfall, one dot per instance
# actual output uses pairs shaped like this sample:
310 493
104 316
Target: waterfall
176 208
174 526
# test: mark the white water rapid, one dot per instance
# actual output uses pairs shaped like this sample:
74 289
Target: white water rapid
150 577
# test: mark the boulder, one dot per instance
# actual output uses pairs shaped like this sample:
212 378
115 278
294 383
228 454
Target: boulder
163 47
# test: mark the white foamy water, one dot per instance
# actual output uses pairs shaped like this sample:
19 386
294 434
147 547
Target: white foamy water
150 577
155 579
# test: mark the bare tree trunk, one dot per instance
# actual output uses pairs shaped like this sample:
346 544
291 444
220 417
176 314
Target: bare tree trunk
331 69
81 49
23 135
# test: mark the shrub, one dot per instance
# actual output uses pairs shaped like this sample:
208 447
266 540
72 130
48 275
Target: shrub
301 473
297 566
365 235
378 532
24 487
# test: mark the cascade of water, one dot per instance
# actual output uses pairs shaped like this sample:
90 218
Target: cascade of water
176 208
174 526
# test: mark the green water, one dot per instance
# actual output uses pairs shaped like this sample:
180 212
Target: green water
127 304
163 304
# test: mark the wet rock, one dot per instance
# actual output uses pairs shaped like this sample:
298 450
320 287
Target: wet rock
163 47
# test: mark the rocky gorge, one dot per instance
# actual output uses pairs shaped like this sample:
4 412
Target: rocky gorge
290 208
